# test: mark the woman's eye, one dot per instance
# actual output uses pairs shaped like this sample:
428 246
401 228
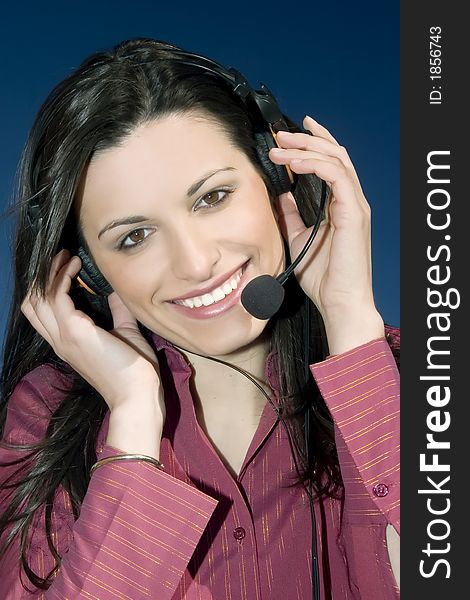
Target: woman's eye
212 199
134 238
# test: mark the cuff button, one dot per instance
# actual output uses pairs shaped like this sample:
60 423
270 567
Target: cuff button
380 490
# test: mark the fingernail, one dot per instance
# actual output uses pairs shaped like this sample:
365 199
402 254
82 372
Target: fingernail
311 119
277 150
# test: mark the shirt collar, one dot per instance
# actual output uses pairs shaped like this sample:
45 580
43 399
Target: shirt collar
178 362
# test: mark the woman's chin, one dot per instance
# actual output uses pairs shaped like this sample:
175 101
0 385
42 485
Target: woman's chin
225 342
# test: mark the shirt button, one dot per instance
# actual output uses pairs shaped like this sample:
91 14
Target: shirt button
380 490
239 533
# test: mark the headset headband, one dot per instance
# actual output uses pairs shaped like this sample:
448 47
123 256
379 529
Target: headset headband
263 99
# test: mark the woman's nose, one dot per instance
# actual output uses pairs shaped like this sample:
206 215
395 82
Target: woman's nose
194 254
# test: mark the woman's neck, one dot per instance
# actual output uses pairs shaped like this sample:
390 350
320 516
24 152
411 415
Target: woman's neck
219 387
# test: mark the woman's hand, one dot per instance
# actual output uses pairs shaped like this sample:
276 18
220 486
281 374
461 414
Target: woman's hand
336 273
119 364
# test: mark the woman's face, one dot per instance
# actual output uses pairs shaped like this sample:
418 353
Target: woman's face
179 221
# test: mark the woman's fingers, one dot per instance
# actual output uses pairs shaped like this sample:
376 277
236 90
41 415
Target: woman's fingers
331 170
36 308
62 281
127 329
45 313
321 141
59 260
292 156
333 165
318 133
58 304
289 139
122 316
314 146
314 127
290 221
30 313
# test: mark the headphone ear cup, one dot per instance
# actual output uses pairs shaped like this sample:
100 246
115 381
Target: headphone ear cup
91 276
277 174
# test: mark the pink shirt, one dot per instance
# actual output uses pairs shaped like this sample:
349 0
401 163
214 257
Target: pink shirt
196 532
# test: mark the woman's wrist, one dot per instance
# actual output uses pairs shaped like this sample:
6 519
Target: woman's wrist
135 431
353 329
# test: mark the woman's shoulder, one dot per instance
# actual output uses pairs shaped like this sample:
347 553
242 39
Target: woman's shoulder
46 382
32 403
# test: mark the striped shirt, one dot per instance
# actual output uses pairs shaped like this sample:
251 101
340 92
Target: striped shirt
197 532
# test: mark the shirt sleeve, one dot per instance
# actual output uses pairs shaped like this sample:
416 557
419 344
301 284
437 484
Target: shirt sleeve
361 390
137 530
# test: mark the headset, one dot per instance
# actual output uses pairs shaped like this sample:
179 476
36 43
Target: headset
267 293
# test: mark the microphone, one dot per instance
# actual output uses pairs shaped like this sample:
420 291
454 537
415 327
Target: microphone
264 295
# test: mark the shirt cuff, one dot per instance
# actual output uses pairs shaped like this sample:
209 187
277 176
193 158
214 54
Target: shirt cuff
137 531
361 389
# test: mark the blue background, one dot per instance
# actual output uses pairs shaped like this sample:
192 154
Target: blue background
337 61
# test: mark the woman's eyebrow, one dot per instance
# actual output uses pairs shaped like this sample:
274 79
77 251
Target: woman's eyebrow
196 185
193 188
125 221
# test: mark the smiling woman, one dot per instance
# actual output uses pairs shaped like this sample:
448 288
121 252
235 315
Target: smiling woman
175 266
155 187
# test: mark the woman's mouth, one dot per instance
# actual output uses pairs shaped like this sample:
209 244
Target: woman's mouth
216 295
214 301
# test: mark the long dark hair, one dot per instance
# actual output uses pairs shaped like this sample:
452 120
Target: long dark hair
95 108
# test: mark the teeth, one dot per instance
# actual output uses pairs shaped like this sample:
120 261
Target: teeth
207 299
216 295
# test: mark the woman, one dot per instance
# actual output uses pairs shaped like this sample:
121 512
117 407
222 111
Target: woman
180 447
